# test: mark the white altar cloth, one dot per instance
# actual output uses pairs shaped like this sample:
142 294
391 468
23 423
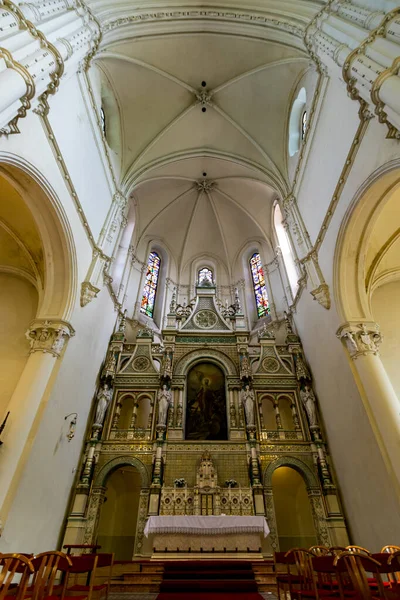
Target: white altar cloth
206 525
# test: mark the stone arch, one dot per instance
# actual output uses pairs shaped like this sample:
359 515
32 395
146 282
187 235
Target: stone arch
59 282
121 461
352 272
205 354
295 463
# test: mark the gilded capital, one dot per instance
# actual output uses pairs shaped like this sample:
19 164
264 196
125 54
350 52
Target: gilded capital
360 339
49 336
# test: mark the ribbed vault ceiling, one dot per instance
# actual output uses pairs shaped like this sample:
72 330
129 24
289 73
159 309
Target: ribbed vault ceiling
203 95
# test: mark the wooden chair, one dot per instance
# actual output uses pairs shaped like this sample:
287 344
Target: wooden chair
357 565
98 590
10 566
319 550
390 549
286 580
311 585
326 573
393 564
51 575
336 550
81 565
358 550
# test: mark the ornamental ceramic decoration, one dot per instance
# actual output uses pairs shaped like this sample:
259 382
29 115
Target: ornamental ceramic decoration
141 363
205 319
270 364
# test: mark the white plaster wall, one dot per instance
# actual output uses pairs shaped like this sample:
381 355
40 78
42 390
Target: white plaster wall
364 483
37 514
336 125
81 152
366 489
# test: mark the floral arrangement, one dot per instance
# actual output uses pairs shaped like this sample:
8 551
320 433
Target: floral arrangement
231 483
180 483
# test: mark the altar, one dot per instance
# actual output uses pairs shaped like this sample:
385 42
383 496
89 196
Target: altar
212 535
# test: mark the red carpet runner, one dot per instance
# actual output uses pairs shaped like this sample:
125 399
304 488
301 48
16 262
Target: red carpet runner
208 580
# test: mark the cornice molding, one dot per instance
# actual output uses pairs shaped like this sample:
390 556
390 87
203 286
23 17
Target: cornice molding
149 22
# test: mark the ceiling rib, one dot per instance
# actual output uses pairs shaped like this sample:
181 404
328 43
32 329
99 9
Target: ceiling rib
266 66
240 207
221 231
165 208
249 138
187 232
160 135
141 63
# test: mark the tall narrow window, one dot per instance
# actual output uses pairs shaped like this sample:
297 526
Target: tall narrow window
285 249
150 286
260 291
103 120
303 124
205 277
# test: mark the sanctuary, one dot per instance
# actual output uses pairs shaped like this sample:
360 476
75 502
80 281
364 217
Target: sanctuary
206 415
199 278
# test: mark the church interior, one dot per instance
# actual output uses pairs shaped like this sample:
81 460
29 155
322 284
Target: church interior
199 299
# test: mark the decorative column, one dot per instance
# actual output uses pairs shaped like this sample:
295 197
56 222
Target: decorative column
295 416
277 415
179 410
150 421
361 341
156 483
40 43
232 410
97 497
171 412
48 339
361 46
117 414
134 415
255 472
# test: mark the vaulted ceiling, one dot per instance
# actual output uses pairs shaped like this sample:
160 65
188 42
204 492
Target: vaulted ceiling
204 93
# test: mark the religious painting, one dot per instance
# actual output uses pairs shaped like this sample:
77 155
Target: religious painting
206 403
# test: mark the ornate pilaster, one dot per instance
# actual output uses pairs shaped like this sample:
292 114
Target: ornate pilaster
360 339
362 46
49 336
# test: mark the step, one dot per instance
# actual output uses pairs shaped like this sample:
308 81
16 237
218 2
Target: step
148 574
216 565
206 585
207 574
142 577
134 588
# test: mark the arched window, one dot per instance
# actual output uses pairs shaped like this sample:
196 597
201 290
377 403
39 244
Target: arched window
150 286
103 120
285 249
260 290
297 122
303 124
205 276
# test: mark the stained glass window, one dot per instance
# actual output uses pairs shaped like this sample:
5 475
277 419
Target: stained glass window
260 290
303 124
150 286
205 276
